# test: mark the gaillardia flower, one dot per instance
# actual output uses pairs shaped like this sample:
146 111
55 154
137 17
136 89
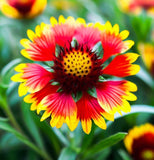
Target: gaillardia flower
147 53
63 4
137 6
22 8
140 142
73 89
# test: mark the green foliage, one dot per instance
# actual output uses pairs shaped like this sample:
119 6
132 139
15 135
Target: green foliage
124 155
21 129
67 153
142 25
108 142
4 125
31 126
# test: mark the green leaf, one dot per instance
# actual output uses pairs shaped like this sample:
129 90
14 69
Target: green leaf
142 26
61 136
92 92
8 141
77 96
101 78
3 89
67 154
7 71
9 66
138 109
48 131
145 77
134 109
87 139
7 127
4 119
104 154
108 142
124 155
55 83
3 98
3 86
30 124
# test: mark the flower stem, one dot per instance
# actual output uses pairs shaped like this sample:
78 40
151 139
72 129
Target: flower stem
12 119
8 112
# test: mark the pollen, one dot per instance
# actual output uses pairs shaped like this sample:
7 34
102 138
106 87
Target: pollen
77 63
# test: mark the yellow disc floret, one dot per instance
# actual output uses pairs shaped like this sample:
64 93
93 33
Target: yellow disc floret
77 63
148 154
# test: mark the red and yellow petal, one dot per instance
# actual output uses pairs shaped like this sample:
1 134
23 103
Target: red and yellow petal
112 40
64 29
42 44
87 36
9 11
37 8
147 53
121 65
33 77
113 95
36 97
62 109
17 9
70 20
88 110
136 6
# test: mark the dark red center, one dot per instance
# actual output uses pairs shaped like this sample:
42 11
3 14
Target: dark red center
23 6
146 4
76 69
152 69
142 145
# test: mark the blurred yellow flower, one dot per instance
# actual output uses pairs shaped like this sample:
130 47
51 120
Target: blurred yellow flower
22 8
137 6
140 142
62 4
147 52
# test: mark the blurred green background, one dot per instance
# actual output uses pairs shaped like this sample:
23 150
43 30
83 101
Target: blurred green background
38 140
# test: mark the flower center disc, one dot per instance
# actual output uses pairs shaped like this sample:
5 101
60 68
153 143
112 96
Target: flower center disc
76 69
23 6
77 63
148 154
